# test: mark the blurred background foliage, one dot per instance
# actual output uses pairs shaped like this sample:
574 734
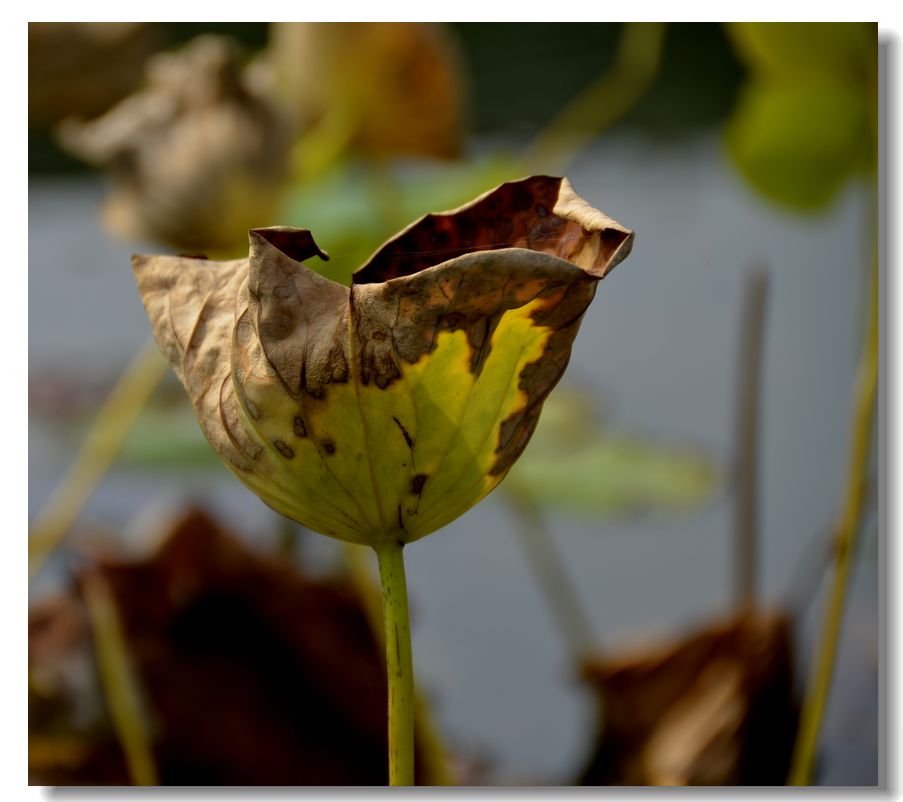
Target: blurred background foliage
807 117
203 130
518 75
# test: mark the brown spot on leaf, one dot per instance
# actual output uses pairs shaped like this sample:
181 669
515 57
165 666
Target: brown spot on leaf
328 446
251 407
417 483
298 427
286 450
404 432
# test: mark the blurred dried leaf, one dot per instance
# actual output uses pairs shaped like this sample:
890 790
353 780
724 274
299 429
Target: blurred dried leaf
397 85
198 156
83 68
255 674
714 708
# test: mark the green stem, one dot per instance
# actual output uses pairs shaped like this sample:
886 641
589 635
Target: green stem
819 686
98 450
432 754
399 663
118 680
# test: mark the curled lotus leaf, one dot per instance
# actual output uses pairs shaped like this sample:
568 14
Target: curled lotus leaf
384 410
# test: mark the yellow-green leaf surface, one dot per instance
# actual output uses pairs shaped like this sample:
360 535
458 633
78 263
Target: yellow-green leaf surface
385 410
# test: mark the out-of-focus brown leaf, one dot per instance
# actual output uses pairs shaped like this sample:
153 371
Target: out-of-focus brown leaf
198 156
83 68
396 86
383 411
253 673
714 708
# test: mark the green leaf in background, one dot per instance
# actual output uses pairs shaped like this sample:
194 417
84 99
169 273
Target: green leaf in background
168 438
798 142
847 50
575 465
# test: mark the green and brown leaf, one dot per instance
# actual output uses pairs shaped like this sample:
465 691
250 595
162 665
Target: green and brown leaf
387 409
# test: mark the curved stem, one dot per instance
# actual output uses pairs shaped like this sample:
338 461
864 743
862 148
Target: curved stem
399 663
98 450
857 486
604 102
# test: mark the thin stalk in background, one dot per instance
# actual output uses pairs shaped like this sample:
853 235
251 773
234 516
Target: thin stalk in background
746 458
323 145
103 442
819 685
118 680
604 102
552 576
399 663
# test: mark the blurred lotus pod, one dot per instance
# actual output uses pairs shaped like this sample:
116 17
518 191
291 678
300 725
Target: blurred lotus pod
197 156
385 410
391 88
83 68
